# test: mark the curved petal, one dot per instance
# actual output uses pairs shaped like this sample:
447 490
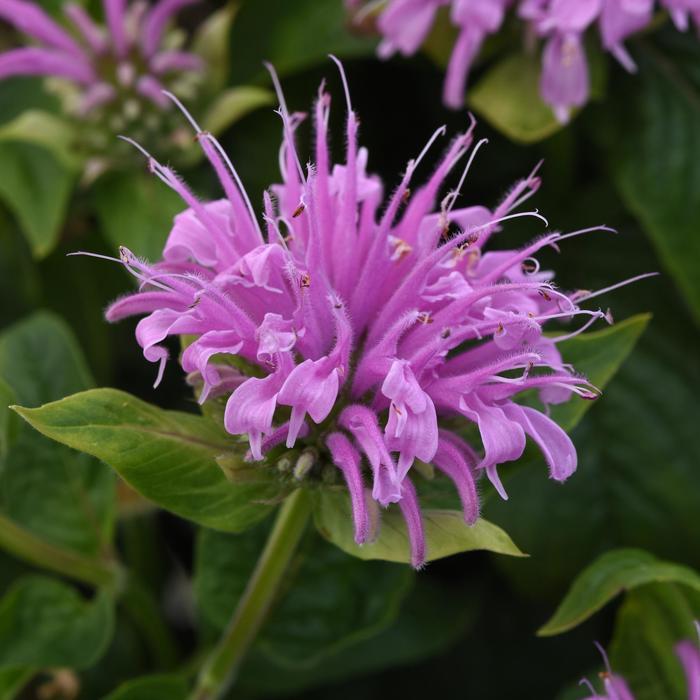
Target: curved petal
51 62
410 509
312 388
557 447
347 459
32 20
361 422
251 408
451 461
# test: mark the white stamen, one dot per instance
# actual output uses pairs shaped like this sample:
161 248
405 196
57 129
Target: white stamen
224 156
580 232
95 255
587 683
592 295
344 79
573 334
453 195
499 220
239 182
605 657
438 132
184 111
535 263
284 113
137 146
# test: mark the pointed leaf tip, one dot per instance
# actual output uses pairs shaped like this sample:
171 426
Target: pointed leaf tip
608 576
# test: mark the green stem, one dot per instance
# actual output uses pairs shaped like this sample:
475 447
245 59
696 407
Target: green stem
34 550
220 668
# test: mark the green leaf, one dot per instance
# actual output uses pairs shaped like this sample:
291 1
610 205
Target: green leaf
508 97
36 187
12 680
330 600
292 36
598 356
431 619
65 498
656 155
136 210
46 623
47 130
650 622
160 687
446 532
167 456
608 576
232 104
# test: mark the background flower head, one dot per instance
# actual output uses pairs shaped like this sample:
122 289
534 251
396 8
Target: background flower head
559 24
109 76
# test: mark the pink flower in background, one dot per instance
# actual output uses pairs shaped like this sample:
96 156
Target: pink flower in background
378 329
689 656
561 24
125 60
615 686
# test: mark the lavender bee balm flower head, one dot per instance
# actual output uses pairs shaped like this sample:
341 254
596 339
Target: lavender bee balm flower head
373 329
110 77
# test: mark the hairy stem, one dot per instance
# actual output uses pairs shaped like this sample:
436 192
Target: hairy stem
220 668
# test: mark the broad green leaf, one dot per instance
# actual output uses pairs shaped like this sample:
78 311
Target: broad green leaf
12 680
63 497
136 210
650 622
292 36
232 104
608 576
508 97
432 617
330 600
446 532
47 130
598 356
151 688
36 188
46 623
167 456
656 155
8 426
